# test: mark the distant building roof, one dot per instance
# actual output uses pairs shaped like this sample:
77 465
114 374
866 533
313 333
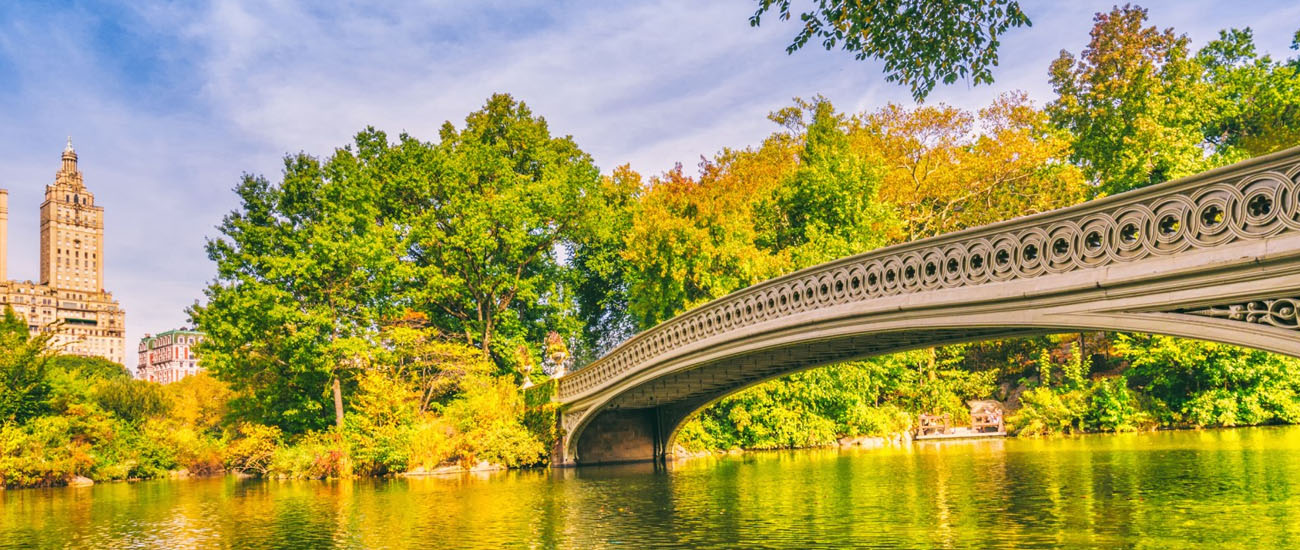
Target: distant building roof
179 331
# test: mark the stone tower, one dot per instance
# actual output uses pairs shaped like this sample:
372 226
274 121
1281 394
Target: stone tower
72 231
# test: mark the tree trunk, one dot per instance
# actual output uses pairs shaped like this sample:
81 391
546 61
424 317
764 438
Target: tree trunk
487 338
338 404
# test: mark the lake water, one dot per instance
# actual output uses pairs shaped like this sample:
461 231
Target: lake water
1208 489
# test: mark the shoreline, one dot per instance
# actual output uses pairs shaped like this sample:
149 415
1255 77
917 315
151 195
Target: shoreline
896 441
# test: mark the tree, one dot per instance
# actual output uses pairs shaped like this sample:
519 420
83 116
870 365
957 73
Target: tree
499 201
305 270
695 239
947 169
1133 102
132 400
432 365
1254 101
600 268
828 207
23 365
88 367
922 42
199 401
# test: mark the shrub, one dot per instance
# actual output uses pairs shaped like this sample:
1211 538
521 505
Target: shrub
705 432
1212 384
315 455
487 419
381 424
1045 411
432 444
134 452
130 399
1113 408
41 453
195 450
863 419
251 448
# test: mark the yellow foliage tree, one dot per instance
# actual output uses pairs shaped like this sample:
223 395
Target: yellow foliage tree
948 169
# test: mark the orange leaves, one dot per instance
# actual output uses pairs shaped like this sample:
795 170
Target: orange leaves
693 238
948 169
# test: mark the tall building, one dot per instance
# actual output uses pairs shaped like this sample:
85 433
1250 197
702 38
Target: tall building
169 356
70 299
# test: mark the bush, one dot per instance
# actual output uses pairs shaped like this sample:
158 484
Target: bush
1113 408
1045 411
381 424
706 432
132 400
315 455
134 452
781 427
863 419
251 448
1212 384
487 419
432 444
195 450
42 453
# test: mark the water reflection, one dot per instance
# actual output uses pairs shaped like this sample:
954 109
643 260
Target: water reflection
1211 489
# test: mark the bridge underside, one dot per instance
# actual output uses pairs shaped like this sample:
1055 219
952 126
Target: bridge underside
640 424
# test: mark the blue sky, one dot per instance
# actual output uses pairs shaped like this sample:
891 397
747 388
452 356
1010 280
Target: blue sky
169 104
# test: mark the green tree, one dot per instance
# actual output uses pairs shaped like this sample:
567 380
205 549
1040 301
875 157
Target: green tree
306 268
1133 101
921 42
132 400
1254 101
828 207
695 239
24 387
1212 384
498 202
600 268
96 368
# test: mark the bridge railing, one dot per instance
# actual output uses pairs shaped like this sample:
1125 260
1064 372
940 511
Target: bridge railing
1253 199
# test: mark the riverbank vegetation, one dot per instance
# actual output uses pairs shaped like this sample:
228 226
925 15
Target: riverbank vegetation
378 310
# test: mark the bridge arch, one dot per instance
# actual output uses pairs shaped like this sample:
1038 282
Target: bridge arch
1215 257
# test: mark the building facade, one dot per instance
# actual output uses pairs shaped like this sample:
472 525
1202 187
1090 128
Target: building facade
70 300
168 356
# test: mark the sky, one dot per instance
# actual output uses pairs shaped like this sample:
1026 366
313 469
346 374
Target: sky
169 103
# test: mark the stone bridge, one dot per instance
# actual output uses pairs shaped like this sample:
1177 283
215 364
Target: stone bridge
1215 256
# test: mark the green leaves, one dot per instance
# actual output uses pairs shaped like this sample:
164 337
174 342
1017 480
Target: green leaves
1255 100
500 200
468 231
23 358
304 268
1133 102
828 207
1211 384
1143 110
922 42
